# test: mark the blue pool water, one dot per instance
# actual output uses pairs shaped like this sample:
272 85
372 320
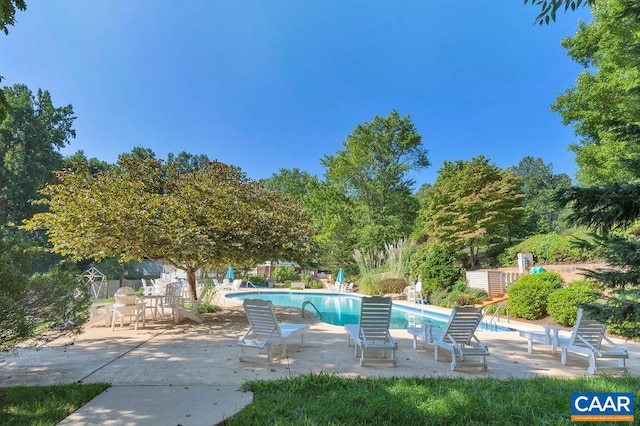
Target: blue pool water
341 309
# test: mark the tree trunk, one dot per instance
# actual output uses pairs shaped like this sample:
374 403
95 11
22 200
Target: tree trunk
472 259
191 279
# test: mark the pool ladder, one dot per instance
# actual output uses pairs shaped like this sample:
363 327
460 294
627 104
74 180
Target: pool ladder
308 302
496 315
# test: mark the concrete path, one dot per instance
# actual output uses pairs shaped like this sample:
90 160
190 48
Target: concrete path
189 374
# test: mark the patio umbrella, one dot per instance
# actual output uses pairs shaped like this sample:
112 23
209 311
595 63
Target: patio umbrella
229 274
340 276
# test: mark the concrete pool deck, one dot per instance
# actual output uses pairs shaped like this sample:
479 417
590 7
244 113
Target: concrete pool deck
189 373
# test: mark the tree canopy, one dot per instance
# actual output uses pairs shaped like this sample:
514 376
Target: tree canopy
212 215
549 8
604 105
471 202
604 108
370 174
539 186
31 136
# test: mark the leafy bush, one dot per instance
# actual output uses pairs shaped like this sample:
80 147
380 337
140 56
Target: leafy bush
458 295
55 297
285 273
550 248
529 295
563 303
208 308
314 284
258 280
391 286
438 267
13 288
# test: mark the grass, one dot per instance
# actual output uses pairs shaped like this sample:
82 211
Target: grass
324 399
44 405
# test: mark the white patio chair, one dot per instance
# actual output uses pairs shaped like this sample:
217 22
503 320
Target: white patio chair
372 331
265 331
458 337
588 338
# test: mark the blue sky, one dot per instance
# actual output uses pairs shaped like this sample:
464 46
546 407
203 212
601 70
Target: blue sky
266 85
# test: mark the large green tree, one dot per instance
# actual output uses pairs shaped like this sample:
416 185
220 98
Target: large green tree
539 186
31 136
370 174
604 105
212 215
8 10
604 108
470 203
549 8
293 182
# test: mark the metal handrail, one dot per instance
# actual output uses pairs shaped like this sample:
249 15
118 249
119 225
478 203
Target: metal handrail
308 302
497 313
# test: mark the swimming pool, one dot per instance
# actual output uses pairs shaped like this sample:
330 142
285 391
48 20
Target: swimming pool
341 309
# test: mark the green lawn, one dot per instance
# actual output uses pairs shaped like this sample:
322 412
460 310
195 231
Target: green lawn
44 405
324 399
330 400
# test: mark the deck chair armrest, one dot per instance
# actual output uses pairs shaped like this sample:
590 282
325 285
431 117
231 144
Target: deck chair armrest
613 344
246 340
476 342
586 343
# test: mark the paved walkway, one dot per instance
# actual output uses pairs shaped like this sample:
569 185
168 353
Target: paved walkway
189 374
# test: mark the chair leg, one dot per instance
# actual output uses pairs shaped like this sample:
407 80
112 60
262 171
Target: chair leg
592 364
563 357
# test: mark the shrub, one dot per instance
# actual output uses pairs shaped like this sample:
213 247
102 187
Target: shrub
438 267
285 273
458 295
391 285
315 284
529 295
258 280
208 308
550 248
563 303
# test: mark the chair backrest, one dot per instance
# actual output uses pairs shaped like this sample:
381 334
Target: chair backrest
148 288
235 285
587 331
375 315
123 291
172 293
262 318
419 287
125 300
462 324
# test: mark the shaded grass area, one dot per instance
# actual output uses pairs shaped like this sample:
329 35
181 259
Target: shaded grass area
44 405
324 399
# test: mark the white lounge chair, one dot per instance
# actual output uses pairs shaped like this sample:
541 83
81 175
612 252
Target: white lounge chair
458 337
265 331
372 331
588 339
